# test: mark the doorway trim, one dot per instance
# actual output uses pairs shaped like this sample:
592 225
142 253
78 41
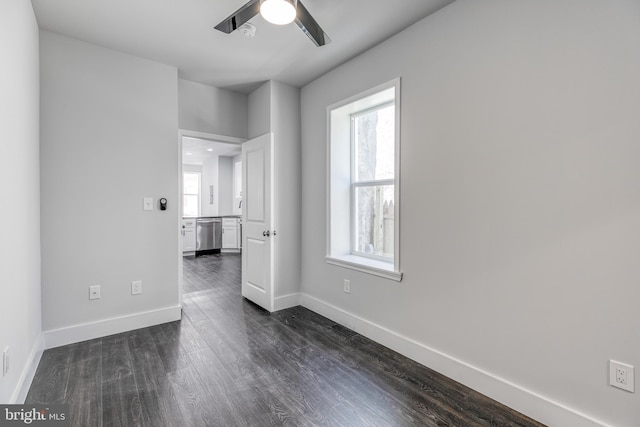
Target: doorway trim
200 135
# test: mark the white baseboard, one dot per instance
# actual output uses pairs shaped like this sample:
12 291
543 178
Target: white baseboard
230 251
512 395
116 325
28 372
286 301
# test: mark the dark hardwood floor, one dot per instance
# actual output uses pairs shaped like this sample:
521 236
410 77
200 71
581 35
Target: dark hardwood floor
230 363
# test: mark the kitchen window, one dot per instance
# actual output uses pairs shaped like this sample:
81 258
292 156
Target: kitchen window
191 194
363 183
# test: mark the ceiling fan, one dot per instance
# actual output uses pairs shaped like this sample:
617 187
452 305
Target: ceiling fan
278 12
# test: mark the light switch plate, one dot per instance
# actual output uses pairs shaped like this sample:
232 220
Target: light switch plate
136 287
147 203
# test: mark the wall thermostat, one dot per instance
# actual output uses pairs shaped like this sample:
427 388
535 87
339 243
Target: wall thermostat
163 204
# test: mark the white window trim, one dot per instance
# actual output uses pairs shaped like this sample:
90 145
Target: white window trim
347 259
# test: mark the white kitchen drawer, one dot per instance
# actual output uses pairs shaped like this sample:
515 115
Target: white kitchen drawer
229 222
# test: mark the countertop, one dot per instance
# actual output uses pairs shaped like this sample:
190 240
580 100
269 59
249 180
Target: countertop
214 216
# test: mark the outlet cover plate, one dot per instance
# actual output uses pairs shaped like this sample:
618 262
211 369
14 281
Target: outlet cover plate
622 376
147 203
347 286
94 292
136 287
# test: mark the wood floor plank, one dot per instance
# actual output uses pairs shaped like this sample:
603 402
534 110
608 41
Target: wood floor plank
84 393
159 406
198 405
121 403
49 385
116 358
148 369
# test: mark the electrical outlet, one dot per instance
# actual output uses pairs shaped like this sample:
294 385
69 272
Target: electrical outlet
5 361
147 203
622 376
136 287
94 292
347 286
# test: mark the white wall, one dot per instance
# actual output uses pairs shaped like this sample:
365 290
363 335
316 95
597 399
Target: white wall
225 185
285 123
259 111
109 138
20 323
210 177
520 210
275 107
236 208
212 110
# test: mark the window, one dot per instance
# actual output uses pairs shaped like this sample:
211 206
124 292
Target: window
363 182
191 194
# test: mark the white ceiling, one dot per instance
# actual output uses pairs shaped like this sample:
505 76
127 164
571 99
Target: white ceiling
181 33
195 150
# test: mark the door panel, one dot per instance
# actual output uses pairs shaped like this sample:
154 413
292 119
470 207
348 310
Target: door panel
257 241
255 255
255 185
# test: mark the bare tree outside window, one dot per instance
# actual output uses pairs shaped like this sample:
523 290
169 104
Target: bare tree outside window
373 181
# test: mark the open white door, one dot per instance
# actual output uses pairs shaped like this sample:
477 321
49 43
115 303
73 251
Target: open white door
257 237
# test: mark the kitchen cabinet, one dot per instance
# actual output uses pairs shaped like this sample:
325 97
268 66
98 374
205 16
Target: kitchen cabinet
230 233
188 235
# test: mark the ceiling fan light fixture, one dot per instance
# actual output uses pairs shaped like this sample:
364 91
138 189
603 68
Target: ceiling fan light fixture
279 12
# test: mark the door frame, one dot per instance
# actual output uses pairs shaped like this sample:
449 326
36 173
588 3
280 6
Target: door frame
199 135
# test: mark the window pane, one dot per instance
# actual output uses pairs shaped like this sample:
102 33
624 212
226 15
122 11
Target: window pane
374 220
190 183
374 134
190 207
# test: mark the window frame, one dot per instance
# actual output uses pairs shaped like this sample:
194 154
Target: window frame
339 253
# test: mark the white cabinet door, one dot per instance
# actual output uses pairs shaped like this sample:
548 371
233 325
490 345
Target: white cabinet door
230 233
229 238
189 240
188 235
257 244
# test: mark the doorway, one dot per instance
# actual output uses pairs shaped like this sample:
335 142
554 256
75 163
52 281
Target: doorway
209 191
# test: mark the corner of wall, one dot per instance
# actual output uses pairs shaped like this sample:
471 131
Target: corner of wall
29 371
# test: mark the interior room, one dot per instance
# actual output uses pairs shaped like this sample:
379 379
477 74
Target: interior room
423 212
211 210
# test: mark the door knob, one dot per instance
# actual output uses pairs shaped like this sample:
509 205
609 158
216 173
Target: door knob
266 233
274 232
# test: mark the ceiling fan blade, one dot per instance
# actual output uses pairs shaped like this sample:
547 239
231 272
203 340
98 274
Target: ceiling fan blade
239 17
310 27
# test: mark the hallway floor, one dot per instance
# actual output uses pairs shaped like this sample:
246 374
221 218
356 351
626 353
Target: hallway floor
230 363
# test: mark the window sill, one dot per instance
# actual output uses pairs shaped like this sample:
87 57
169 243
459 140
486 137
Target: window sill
366 265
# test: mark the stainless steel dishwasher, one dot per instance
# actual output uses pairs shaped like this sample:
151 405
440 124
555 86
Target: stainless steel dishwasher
208 235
